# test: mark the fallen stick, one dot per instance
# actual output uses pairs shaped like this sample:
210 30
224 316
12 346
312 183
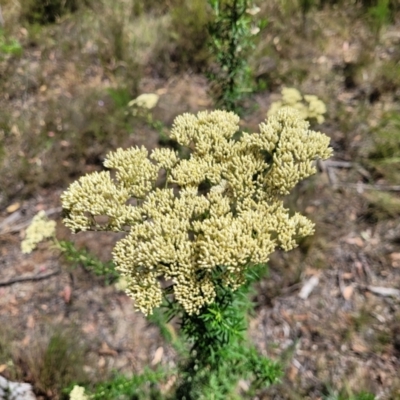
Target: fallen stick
363 186
308 287
29 278
9 226
383 291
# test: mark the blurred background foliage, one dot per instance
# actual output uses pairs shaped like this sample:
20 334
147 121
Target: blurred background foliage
90 50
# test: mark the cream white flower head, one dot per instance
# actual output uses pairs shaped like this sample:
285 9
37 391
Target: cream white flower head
41 228
78 393
145 100
220 212
254 10
310 107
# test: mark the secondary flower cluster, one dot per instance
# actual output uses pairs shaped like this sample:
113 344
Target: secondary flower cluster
309 106
40 228
220 211
78 393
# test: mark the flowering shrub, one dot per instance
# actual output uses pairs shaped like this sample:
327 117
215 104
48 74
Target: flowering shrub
219 213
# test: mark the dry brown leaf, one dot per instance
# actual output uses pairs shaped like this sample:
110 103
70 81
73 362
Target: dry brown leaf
312 271
101 363
25 341
310 209
66 294
161 91
355 240
3 367
13 300
13 207
40 207
301 317
89 327
348 292
347 275
105 350
395 258
286 316
203 102
30 323
158 355
358 345
293 372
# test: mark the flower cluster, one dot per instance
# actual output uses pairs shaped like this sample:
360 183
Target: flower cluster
40 228
220 212
145 100
78 393
309 106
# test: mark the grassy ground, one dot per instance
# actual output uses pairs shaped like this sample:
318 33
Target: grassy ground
66 77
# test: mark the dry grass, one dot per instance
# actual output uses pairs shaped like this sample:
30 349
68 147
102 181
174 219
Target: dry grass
55 360
79 58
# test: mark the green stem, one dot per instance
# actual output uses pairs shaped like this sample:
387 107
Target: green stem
220 354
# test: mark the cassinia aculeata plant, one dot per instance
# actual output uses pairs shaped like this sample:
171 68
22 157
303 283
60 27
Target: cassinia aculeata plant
220 210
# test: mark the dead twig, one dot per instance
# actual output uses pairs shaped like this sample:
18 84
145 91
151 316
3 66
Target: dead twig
363 172
332 176
364 186
29 278
384 291
337 164
329 166
7 226
308 287
366 267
